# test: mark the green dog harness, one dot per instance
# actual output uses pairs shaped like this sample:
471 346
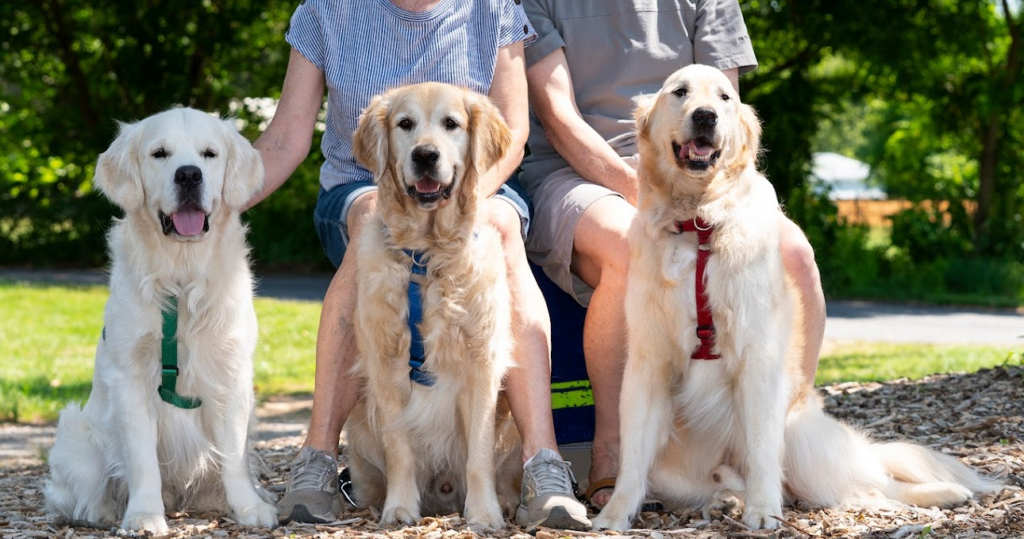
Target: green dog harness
169 362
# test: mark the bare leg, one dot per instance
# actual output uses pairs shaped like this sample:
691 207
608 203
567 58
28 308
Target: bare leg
529 382
601 259
334 394
798 260
547 499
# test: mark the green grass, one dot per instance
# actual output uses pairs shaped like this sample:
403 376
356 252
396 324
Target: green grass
865 362
48 337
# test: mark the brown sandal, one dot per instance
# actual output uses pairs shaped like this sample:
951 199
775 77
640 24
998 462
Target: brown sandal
595 487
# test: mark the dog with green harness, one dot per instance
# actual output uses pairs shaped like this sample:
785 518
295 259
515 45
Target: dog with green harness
167 424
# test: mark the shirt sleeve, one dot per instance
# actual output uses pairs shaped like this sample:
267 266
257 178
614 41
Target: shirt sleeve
720 37
306 35
548 39
515 26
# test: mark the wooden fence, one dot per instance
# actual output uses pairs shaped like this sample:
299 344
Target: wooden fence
877 212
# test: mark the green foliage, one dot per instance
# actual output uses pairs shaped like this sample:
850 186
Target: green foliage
70 68
929 92
922 233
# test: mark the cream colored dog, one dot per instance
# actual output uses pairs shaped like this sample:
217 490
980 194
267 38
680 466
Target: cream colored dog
181 178
432 447
747 421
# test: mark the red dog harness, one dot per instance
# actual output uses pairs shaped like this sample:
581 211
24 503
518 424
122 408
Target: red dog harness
705 324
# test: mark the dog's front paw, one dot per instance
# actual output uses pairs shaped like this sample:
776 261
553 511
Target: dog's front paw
399 515
260 514
610 520
150 522
761 517
481 519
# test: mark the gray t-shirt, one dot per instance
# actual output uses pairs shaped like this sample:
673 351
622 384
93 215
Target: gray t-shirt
620 49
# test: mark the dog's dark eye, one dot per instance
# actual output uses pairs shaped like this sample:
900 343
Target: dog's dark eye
160 153
680 92
405 124
209 154
725 97
450 123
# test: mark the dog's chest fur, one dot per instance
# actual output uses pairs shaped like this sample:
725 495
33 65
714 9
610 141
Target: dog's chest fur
744 284
463 321
216 333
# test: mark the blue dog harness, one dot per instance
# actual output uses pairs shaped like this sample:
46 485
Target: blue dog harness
417 356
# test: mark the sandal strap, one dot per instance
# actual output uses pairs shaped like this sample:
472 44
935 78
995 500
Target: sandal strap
600 484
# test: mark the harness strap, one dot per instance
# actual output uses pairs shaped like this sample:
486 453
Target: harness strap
705 323
417 355
169 361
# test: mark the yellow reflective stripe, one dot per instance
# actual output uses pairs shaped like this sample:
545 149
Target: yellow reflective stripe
574 394
573 384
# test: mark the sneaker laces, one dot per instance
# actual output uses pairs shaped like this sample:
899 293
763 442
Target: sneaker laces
551 476
312 470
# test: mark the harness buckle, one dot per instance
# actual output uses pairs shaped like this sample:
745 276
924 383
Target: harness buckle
705 332
171 370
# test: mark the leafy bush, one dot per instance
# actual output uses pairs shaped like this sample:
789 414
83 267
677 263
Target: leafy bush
928 234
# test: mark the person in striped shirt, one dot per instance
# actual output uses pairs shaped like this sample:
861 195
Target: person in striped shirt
357 49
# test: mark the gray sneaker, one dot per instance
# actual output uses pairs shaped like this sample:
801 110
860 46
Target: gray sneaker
547 496
312 488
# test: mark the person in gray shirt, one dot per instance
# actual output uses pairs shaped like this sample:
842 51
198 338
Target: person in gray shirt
591 60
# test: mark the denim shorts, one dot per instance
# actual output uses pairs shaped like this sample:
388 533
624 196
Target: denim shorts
331 214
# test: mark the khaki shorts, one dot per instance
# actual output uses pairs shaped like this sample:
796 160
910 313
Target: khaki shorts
558 204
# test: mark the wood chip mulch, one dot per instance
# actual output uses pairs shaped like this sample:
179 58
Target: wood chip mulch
976 417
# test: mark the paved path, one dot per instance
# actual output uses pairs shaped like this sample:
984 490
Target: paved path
847 320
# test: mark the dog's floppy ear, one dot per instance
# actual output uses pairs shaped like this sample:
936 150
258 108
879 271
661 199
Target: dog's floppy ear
117 170
489 134
642 113
749 141
243 174
371 145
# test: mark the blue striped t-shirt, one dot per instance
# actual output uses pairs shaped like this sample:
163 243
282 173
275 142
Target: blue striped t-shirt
365 47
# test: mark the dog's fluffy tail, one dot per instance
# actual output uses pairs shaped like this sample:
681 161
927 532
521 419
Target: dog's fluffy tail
830 464
924 477
79 485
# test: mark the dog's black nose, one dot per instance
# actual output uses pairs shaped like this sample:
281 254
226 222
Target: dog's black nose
425 155
188 176
705 117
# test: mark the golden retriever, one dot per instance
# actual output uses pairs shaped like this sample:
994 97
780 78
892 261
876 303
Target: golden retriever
748 421
128 456
432 448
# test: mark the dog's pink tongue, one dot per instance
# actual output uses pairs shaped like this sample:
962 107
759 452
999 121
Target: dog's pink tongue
188 222
699 150
426 185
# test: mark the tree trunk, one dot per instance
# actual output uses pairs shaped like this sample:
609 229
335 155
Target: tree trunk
986 179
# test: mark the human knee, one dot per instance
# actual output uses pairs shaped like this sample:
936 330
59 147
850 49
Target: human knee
602 260
615 260
362 207
506 220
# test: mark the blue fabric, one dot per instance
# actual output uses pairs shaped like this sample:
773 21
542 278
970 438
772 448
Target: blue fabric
574 424
417 355
330 217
